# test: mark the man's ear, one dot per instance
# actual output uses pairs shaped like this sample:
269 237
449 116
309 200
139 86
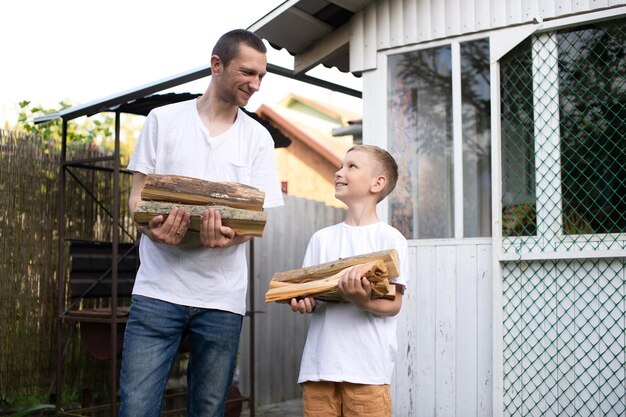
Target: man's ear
216 66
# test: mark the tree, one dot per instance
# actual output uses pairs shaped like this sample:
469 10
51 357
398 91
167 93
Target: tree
96 131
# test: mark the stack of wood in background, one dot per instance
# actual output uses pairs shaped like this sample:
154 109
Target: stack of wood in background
240 206
320 281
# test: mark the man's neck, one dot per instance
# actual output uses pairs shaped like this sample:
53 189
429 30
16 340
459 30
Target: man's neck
217 115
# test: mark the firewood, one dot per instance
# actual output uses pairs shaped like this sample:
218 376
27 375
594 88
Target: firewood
315 272
243 222
194 191
327 289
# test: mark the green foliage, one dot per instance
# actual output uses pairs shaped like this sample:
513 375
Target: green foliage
96 131
33 409
86 131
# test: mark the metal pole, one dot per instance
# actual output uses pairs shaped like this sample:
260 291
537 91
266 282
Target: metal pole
60 267
252 313
114 256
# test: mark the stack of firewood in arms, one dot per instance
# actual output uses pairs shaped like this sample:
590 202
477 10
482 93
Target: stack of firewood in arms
321 281
240 206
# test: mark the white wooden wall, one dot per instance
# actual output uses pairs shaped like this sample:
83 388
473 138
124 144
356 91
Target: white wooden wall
445 331
389 24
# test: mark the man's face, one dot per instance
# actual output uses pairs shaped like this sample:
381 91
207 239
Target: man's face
242 77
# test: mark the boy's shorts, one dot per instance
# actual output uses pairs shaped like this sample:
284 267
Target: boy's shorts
326 399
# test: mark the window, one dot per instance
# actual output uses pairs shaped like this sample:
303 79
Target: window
563 100
423 96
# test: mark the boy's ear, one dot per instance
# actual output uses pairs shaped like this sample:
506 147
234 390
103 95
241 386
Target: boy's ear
378 184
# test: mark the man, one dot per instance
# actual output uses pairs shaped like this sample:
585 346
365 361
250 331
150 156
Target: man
199 291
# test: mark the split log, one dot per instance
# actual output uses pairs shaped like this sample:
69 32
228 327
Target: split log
243 222
316 272
327 288
194 191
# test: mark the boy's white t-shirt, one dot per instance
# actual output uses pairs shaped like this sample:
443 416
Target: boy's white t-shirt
345 343
174 141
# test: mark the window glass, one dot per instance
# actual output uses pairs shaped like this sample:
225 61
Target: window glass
476 109
517 142
592 85
420 138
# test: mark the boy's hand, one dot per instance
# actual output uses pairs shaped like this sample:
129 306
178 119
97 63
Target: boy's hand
303 305
356 288
172 230
212 233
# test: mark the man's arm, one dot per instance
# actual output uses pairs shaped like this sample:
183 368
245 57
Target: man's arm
171 230
214 235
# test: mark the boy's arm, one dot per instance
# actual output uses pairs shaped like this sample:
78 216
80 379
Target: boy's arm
303 305
358 290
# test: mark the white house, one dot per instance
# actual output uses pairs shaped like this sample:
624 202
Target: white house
508 122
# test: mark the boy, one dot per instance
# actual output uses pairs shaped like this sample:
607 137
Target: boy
350 349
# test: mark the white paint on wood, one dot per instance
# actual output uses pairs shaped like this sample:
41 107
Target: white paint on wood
453 17
467 334
530 10
438 19
370 36
426 331
545 71
469 18
484 332
357 46
396 24
563 7
404 382
445 326
383 30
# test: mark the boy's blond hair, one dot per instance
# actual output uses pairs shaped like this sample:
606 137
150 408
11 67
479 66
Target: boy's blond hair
386 163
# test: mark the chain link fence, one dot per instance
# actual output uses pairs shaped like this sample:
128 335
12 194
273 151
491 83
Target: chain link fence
563 101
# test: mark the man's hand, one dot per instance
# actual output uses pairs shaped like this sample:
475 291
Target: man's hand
172 230
303 305
212 233
356 288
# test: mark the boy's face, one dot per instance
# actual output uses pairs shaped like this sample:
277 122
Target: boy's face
355 178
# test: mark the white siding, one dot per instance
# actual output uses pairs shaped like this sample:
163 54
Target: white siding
393 23
444 332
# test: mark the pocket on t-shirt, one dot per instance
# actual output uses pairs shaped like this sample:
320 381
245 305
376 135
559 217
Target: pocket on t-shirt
237 171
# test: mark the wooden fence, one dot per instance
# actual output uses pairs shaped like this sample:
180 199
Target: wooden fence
29 183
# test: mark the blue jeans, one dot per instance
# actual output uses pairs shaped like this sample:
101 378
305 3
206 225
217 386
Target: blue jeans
153 336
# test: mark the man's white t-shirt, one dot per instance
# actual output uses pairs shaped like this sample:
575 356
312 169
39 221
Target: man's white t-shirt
175 141
345 343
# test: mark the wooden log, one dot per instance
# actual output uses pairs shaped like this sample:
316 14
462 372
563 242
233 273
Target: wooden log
194 191
243 222
315 272
327 288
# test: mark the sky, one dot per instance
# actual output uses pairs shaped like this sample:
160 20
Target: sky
80 51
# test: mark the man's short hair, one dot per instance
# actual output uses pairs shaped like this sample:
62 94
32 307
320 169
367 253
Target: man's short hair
387 164
227 46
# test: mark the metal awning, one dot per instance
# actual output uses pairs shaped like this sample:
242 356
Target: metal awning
126 98
314 31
